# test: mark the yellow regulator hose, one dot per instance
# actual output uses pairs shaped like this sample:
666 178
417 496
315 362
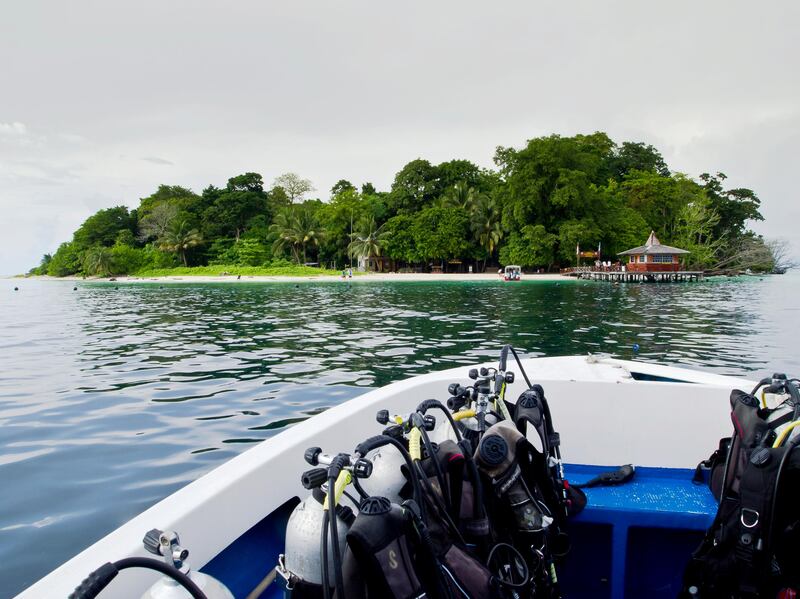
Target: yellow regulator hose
414 440
785 433
463 414
344 479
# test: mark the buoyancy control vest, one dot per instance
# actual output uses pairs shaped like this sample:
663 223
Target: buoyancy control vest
524 514
462 496
532 415
383 557
413 550
393 553
751 549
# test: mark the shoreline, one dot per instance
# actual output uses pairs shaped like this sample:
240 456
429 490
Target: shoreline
357 278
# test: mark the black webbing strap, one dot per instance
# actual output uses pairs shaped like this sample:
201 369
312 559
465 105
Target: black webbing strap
753 546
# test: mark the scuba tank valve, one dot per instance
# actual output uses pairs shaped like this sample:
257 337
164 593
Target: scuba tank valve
167 545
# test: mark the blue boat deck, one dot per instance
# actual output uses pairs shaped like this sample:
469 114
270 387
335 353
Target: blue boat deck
633 540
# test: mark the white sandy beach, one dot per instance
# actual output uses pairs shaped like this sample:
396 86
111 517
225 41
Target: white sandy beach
357 278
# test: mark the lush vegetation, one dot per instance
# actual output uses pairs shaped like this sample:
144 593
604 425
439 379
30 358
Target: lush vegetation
533 209
288 270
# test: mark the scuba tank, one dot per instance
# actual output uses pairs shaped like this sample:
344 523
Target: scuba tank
166 588
387 478
301 559
451 476
778 408
469 428
301 565
167 544
179 581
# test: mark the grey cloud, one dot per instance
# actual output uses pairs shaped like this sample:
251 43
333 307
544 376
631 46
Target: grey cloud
14 128
157 160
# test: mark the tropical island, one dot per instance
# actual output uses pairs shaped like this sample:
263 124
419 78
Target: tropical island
533 209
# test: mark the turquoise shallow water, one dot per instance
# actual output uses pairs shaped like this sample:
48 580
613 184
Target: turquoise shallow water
110 399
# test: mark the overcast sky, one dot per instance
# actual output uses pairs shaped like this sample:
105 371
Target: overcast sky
102 101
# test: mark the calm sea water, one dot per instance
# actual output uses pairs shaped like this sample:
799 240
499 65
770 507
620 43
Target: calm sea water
110 399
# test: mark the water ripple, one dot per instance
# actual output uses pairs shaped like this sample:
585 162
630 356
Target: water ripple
113 398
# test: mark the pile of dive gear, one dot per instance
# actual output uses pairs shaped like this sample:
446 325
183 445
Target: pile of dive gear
470 508
750 550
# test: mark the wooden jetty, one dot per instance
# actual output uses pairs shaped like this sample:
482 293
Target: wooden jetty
625 276
652 262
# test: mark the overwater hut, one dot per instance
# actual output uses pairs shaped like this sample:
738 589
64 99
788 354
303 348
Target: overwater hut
653 256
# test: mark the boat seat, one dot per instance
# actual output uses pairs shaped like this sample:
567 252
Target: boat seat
633 540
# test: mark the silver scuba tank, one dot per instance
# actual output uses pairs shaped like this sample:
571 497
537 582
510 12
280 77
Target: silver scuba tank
301 559
167 544
782 408
166 588
387 478
444 431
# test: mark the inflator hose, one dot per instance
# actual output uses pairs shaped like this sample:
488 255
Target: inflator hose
93 584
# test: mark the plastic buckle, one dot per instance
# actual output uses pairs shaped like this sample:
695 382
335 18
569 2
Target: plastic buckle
754 519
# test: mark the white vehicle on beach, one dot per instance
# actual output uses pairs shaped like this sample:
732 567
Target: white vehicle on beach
512 272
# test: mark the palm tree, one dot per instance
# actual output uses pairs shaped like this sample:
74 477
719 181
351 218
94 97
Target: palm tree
369 243
485 224
461 196
97 261
297 228
283 227
180 238
308 229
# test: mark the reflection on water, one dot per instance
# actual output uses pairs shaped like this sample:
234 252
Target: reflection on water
110 398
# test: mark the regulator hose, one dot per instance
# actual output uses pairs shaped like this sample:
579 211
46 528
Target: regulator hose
503 358
784 459
333 474
93 584
435 403
521 369
323 548
467 451
378 441
426 442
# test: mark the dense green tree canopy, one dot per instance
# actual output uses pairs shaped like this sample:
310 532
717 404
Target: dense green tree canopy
103 227
542 201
